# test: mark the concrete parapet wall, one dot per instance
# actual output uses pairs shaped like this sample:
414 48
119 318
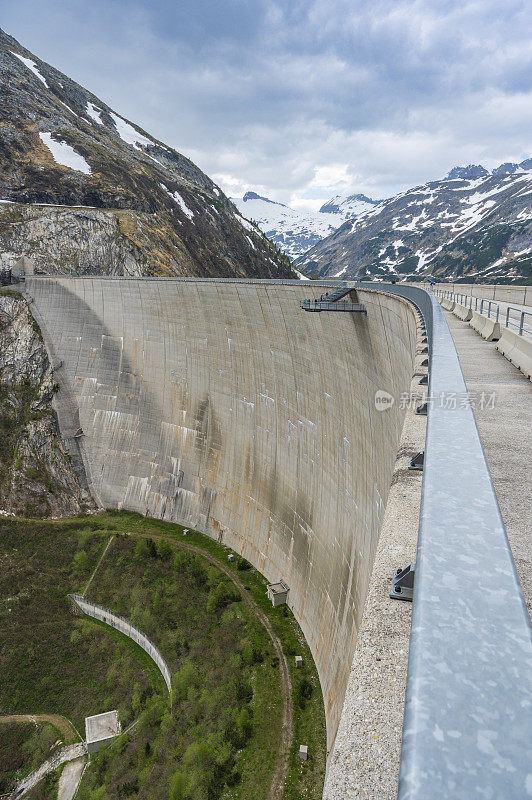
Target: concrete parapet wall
462 312
517 349
125 627
447 304
222 406
488 328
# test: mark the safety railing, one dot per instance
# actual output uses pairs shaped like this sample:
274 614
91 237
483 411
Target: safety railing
331 305
492 309
467 725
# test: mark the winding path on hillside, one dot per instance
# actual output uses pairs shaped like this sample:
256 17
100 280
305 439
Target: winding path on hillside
67 729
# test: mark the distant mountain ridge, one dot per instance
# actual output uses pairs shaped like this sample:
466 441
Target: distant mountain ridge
84 190
473 171
471 225
294 232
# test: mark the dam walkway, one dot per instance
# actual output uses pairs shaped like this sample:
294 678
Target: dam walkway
501 398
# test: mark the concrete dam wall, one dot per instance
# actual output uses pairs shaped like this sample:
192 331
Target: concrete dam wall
223 406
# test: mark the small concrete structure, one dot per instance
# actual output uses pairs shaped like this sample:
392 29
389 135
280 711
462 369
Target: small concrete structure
299 662
462 312
278 593
230 557
488 327
101 730
517 349
24 266
303 752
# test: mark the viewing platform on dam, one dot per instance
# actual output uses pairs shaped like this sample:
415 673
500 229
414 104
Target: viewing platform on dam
331 305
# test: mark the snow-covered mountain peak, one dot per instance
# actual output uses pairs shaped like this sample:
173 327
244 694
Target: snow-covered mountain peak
348 205
293 231
470 172
254 196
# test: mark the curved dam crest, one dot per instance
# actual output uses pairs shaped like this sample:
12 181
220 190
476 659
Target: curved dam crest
222 406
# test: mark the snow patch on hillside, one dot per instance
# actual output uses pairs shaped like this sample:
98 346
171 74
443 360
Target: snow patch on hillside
69 109
246 223
338 274
94 113
31 66
176 197
65 155
127 132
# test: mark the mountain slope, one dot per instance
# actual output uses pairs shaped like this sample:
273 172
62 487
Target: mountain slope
462 227
90 192
294 232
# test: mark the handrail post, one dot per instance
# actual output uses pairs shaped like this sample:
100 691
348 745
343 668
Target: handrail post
497 317
521 323
507 317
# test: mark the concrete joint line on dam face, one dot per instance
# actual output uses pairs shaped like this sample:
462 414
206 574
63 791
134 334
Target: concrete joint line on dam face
222 406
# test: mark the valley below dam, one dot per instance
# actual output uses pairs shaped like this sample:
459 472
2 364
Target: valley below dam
221 405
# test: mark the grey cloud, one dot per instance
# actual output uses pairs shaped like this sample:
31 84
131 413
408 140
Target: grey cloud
388 93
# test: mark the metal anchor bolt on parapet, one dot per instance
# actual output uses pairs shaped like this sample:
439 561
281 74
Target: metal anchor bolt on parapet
402 587
416 462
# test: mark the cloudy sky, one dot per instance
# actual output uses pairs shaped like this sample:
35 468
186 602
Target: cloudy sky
303 100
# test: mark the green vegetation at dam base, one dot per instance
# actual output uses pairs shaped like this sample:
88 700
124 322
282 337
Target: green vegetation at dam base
23 748
218 736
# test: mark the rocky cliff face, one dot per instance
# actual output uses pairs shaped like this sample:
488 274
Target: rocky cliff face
133 204
36 474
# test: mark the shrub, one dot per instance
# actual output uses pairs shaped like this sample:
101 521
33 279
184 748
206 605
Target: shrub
304 692
177 786
221 596
76 636
164 550
185 679
145 549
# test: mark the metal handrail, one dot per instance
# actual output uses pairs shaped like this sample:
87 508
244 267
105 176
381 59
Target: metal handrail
463 299
330 305
466 727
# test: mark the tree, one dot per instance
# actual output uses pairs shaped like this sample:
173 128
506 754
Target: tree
164 550
177 786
